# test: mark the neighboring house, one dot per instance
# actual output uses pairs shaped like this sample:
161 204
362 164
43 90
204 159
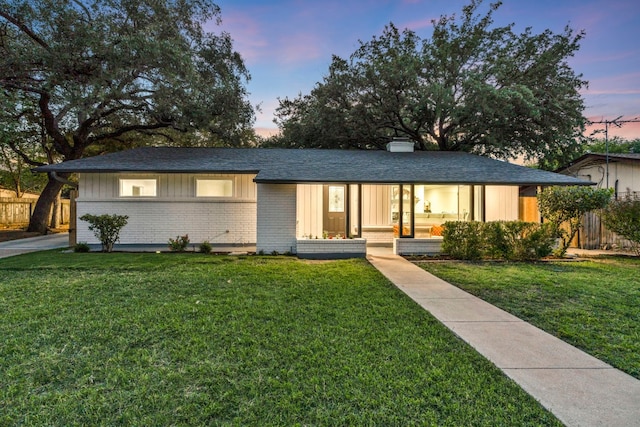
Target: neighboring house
618 171
287 200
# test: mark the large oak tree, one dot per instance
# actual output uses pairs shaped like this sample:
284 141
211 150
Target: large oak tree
96 73
472 86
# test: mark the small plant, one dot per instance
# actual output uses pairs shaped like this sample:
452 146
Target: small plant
325 234
81 247
179 244
205 247
106 228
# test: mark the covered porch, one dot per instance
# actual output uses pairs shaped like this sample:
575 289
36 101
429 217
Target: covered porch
406 218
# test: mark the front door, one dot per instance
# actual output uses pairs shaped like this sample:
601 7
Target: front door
334 220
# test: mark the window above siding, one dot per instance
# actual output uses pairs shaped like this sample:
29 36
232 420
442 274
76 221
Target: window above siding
138 187
214 187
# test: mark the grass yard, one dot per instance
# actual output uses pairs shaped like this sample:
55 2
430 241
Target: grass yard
188 339
593 305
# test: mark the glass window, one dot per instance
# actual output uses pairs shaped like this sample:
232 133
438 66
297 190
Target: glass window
214 188
138 187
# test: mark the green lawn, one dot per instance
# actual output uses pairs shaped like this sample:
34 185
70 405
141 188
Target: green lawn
593 305
189 339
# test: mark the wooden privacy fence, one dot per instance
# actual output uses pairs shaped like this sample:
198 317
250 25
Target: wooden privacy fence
594 235
17 211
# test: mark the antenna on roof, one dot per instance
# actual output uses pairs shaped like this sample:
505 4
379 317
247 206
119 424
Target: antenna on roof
617 123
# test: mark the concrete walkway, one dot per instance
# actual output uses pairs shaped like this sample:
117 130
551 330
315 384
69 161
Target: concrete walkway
34 244
578 389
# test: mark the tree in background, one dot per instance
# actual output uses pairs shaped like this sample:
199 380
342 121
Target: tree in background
16 175
100 73
614 145
567 205
471 87
19 133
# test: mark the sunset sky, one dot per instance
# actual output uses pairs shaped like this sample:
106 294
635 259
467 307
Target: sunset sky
287 45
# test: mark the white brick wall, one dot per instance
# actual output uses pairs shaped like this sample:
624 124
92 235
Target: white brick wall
430 246
155 221
331 248
277 218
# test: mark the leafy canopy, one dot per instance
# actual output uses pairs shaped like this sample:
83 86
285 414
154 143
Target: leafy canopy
97 70
97 74
471 87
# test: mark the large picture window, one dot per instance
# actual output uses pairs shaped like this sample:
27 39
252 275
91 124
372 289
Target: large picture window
138 187
214 188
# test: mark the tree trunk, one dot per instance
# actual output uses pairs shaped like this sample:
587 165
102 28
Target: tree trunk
40 218
55 213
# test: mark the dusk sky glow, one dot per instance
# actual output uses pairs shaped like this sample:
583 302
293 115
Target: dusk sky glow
287 45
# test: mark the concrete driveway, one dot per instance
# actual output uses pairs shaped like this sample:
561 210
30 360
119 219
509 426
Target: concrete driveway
34 244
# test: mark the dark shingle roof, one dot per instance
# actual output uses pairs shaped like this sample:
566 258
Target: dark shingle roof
312 165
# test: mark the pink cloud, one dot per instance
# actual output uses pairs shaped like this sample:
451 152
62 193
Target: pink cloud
620 84
418 24
300 47
247 34
627 130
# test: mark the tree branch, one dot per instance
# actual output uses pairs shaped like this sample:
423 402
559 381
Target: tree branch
26 30
126 129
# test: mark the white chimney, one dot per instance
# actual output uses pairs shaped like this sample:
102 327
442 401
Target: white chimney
400 145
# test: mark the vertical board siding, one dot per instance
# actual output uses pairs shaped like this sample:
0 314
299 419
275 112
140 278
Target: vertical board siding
309 210
502 203
173 186
376 208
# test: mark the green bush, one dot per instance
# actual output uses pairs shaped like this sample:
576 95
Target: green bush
496 243
106 228
622 216
462 240
527 241
567 205
179 244
81 247
509 240
205 247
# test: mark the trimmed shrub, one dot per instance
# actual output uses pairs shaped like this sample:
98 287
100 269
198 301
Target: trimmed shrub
179 244
527 241
508 240
462 240
106 228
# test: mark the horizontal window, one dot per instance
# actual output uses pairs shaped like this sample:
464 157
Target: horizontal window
214 188
138 187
